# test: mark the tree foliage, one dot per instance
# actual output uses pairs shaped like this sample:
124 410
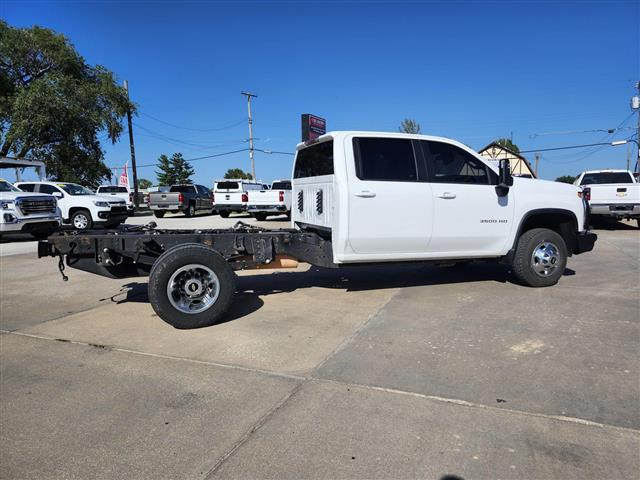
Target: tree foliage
409 125
143 184
507 143
238 173
174 171
566 179
53 105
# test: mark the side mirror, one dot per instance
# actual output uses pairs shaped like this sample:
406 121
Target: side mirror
505 179
57 194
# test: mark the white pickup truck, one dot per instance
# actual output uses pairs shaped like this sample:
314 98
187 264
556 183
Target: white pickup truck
232 195
358 198
22 212
273 201
611 193
120 192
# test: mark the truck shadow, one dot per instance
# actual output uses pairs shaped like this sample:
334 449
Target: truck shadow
251 287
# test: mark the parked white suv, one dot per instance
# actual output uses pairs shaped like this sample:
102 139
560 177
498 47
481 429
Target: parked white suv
22 212
79 206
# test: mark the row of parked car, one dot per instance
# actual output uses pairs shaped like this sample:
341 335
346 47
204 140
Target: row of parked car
228 196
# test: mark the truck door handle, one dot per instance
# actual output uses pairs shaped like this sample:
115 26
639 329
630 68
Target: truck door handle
365 194
447 195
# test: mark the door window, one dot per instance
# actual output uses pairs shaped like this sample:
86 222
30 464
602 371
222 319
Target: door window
27 187
385 159
50 189
450 164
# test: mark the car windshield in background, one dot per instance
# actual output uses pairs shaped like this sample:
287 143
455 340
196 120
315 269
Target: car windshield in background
281 186
227 186
7 187
605 177
314 161
73 189
113 189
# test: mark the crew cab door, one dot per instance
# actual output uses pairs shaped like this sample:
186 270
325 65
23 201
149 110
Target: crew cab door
390 203
469 216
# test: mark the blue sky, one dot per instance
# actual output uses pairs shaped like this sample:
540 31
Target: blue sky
473 71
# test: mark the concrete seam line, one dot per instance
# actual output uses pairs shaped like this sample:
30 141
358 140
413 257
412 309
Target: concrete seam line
257 426
159 355
350 338
465 403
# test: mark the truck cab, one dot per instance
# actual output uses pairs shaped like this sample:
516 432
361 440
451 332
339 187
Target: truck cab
398 197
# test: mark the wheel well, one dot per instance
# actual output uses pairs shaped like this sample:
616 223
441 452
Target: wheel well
73 210
562 222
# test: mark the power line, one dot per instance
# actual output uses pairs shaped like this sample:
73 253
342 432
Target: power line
217 129
191 159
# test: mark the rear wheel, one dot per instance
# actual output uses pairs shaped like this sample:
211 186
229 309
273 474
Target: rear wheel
224 214
190 211
261 217
540 258
158 213
81 220
191 286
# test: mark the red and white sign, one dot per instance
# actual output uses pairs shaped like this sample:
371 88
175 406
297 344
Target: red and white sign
124 178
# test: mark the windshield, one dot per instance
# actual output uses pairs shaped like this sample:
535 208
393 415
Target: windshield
74 189
227 186
112 189
606 177
183 188
7 187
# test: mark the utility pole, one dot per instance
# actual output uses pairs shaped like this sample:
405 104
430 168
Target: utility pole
537 162
253 164
638 129
133 152
628 157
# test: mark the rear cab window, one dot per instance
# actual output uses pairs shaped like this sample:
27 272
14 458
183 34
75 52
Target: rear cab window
227 186
112 189
281 186
606 177
314 161
183 188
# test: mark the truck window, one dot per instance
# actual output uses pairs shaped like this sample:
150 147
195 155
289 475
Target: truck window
227 186
314 161
182 188
112 189
28 187
385 159
606 177
281 186
450 164
50 189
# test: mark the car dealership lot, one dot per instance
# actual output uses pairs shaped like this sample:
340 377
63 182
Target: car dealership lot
366 372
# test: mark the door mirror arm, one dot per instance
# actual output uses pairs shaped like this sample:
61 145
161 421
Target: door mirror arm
505 179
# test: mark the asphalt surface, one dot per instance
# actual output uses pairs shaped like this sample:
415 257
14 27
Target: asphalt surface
399 372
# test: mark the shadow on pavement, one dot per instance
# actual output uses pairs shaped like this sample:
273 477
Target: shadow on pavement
610 224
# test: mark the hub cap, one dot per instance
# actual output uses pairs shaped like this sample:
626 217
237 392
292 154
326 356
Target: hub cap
545 259
80 221
193 288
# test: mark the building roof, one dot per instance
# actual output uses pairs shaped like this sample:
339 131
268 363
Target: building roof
519 156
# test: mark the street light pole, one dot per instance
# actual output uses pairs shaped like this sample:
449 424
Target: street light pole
253 164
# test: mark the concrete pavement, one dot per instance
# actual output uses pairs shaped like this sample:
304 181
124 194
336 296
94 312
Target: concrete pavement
400 372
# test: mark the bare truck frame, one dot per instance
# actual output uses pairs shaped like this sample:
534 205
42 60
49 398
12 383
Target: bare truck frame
191 279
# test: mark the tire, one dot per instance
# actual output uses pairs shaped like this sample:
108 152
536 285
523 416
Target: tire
43 234
540 258
190 211
158 213
224 214
261 217
173 309
81 220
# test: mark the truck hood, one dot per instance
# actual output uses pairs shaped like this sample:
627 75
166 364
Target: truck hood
14 195
549 185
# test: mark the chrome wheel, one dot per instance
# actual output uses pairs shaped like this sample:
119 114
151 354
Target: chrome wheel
545 259
193 288
80 221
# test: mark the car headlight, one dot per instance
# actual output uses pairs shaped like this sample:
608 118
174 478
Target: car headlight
8 205
101 204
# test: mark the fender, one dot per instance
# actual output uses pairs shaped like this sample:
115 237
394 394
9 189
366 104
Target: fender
541 212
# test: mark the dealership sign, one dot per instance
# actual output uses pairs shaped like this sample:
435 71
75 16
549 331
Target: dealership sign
312 127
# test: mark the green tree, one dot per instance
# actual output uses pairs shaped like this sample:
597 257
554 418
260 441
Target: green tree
238 173
507 143
566 179
409 125
53 105
166 175
143 183
182 169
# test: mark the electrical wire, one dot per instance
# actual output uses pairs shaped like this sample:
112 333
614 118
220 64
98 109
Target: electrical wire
217 129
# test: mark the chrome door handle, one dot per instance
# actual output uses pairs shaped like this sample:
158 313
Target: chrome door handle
447 195
365 194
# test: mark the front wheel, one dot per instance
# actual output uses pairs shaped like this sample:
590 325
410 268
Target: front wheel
261 217
540 258
191 286
158 213
81 220
224 214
